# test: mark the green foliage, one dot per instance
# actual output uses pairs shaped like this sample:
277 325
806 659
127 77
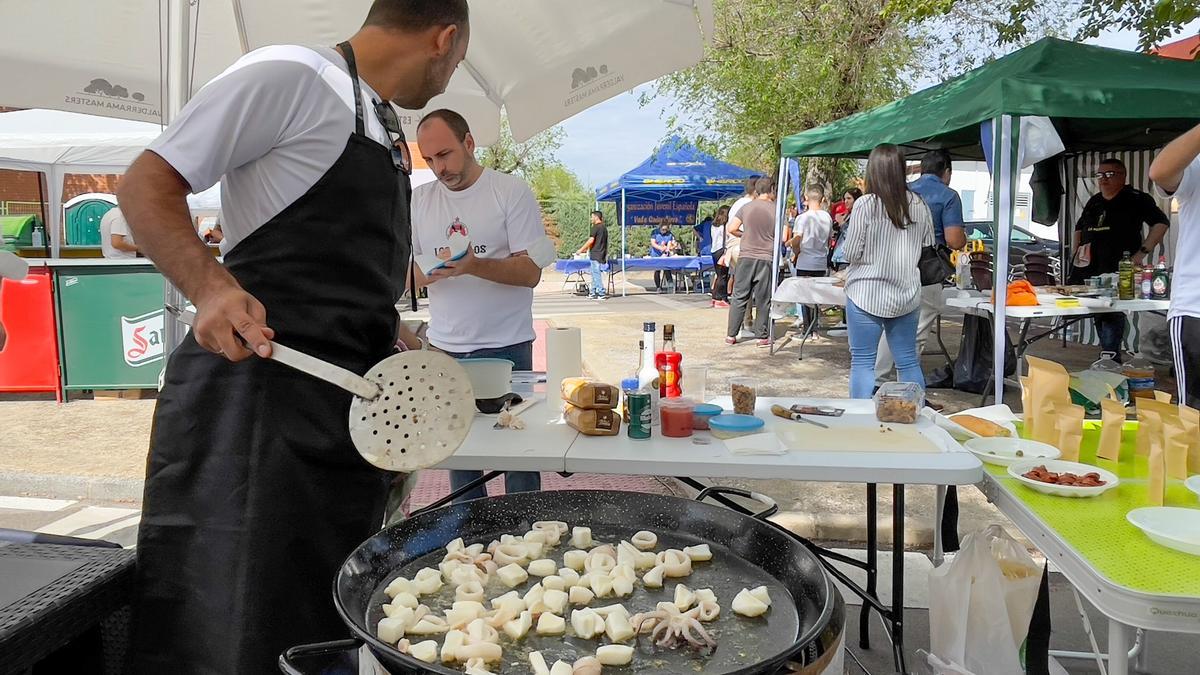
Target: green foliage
524 159
555 181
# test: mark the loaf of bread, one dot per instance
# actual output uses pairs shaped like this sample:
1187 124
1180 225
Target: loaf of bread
985 428
586 393
593 422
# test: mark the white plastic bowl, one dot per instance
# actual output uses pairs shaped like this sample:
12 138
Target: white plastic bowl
490 378
1003 451
1170 526
1193 484
1060 466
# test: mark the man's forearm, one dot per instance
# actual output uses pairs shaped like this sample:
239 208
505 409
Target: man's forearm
1155 237
122 244
1167 169
153 199
519 270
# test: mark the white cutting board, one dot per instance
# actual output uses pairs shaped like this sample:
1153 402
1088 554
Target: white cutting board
901 438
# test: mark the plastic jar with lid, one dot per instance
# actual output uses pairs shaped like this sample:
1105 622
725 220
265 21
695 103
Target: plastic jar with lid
676 415
702 413
731 426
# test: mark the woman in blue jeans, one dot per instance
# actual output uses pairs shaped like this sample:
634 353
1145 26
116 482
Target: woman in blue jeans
888 228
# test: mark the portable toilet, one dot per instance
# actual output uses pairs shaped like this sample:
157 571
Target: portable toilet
81 218
17 231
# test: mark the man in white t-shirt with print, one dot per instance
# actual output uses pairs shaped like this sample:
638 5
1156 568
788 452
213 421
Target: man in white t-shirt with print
116 241
1176 172
810 239
482 305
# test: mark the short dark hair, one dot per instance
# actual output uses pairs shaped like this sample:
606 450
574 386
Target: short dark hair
599 215
1115 162
936 162
750 183
815 191
417 15
764 185
457 123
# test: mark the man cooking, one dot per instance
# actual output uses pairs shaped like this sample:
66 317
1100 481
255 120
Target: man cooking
480 306
255 493
1109 227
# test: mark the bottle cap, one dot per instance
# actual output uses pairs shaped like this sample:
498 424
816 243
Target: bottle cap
629 383
648 327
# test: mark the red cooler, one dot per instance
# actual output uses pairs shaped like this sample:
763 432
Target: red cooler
29 360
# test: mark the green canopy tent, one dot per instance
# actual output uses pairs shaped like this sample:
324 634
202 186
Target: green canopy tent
1097 99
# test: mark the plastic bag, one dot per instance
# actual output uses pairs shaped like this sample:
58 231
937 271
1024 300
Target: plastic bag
973 367
980 604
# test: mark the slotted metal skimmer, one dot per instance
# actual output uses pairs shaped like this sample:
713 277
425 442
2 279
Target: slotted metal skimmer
410 411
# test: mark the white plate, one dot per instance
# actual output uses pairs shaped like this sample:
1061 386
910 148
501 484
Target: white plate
1193 484
1060 466
1171 526
1003 451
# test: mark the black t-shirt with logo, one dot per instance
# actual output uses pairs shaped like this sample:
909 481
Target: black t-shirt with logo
1114 227
599 251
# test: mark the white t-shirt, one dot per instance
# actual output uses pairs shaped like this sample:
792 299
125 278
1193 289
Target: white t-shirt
1185 283
499 215
268 128
718 236
113 222
737 206
813 228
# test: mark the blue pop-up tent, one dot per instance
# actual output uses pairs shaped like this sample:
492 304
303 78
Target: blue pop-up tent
677 172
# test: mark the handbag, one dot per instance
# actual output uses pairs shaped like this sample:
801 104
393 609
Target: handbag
934 264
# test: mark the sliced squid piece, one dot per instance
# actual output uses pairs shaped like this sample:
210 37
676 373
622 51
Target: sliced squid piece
487 651
675 563
472 590
465 574
391 629
587 665
557 525
534 536
611 609
561 668
501 599
543 568
747 604
575 559
551 624
511 554
512 575
430 625
456 546
474 550
481 631
654 578
569 576
477 667
533 600
684 598
519 627
602 585
587 624
644 540
405 600
426 651
555 601
537 664
581 537
554 582
534 549
397 586
578 595
615 655
699 553
617 627
427 582
454 641
761 594
599 561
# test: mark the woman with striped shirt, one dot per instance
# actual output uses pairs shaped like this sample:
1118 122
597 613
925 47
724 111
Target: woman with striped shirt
888 227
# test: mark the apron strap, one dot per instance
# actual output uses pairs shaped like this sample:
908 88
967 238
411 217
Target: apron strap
348 54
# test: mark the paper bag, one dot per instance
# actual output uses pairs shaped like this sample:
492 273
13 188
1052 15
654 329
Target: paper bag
1149 431
1070 430
1156 483
1027 406
1190 417
1049 384
1162 396
1175 447
1112 421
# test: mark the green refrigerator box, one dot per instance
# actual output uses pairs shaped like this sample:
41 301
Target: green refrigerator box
110 326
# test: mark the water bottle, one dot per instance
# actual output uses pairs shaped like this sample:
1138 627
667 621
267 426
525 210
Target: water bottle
1125 278
37 238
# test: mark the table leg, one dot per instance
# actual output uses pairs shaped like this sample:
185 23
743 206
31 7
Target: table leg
485 478
897 618
864 615
941 344
1118 648
939 550
809 329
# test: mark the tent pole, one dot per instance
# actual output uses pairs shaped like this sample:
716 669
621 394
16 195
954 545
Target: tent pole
179 89
1006 168
54 180
624 254
780 206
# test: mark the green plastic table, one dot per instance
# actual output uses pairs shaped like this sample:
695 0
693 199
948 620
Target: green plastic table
1133 581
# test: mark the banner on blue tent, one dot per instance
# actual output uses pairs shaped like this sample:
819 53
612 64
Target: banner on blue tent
652 213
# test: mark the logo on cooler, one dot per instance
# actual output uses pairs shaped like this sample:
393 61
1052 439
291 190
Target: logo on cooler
142 338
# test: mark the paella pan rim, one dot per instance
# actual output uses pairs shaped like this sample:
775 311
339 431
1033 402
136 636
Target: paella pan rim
808 634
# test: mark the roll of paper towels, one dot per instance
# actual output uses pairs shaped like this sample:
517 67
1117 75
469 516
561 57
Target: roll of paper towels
564 358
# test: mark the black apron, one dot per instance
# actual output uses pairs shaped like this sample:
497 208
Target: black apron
254 493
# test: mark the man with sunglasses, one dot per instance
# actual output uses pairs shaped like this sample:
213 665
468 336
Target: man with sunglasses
1110 226
481 305
254 491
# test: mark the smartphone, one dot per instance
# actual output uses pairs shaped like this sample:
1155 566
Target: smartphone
821 410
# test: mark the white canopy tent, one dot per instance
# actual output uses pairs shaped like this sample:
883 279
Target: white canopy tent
542 60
